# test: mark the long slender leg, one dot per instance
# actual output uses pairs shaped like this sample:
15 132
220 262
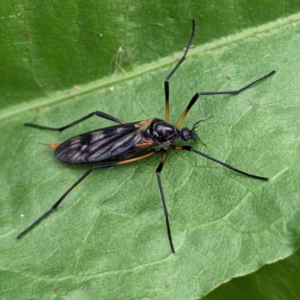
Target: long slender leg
158 170
96 167
235 92
167 89
189 148
95 113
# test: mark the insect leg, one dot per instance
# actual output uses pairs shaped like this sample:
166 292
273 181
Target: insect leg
235 92
158 170
95 113
55 205
96 167
167 90
189 148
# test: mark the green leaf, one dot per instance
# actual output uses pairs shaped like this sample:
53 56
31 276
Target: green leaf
61 61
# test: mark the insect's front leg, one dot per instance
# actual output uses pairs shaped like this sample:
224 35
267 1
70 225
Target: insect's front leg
167 89
234 92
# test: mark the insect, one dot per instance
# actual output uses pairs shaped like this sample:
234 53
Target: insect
129 142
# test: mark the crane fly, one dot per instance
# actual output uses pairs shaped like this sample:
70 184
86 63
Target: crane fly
130 142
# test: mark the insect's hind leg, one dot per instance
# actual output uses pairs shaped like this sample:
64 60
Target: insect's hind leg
95 113
88 172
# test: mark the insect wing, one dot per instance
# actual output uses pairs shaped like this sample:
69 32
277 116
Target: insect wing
115 142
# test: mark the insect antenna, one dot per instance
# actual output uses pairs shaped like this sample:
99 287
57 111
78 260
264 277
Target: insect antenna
196 125
200 121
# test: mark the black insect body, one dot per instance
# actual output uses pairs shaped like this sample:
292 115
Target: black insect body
121 144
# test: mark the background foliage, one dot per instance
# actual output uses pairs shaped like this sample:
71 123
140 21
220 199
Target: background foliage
62 60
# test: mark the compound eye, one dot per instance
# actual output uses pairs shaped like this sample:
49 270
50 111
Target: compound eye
185 134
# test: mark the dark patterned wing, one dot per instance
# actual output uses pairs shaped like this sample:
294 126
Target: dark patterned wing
114 142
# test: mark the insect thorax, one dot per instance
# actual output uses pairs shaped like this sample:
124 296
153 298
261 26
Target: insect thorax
162 133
